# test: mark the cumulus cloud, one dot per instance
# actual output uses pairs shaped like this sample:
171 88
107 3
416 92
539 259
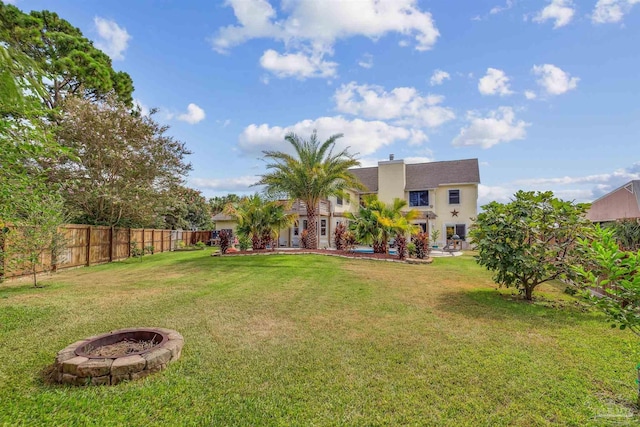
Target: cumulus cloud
114 39
554 80
297 65
366 61
312 27
227 185
363 137
403 105
529 94
559 11
498 126
579 188
193 115
495 82
439 77
611 11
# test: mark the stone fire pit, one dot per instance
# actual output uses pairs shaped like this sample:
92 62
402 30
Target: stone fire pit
122 355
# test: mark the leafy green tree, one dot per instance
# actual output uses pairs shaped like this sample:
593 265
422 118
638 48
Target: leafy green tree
70 63
34 234
529 240
188 210
126 166
614 275
313 174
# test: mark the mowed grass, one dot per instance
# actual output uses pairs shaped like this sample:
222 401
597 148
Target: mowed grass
316 340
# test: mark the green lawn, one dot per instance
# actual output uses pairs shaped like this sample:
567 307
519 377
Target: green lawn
315 340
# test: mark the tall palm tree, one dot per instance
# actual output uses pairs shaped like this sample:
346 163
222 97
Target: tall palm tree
313 174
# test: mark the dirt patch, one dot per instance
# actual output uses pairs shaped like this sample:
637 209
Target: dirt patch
122 348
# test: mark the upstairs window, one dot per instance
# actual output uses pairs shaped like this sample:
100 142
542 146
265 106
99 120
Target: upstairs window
339 201
419 198
454 197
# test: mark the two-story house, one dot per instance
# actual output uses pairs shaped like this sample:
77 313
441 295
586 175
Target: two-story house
446 194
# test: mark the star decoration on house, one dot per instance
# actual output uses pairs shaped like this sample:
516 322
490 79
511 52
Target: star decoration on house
454 213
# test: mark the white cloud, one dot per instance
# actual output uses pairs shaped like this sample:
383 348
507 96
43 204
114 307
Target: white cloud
497 9
366 61
554 80
499 126
310 28
611 11
309 21
529 94
579 188
363 137
297 65
193 115
402 105
495 82
561 11
114 39
229 185
439 77
144 109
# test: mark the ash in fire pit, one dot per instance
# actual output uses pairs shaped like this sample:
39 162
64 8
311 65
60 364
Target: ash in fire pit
126 354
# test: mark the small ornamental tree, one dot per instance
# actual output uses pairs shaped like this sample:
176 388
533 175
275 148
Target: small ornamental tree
529 240
421 243
225 241
339 236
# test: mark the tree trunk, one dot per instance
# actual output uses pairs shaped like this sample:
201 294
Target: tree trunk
528 293
312 236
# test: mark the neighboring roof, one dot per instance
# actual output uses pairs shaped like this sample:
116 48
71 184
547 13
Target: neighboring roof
621 203
368 177
420 176
222 217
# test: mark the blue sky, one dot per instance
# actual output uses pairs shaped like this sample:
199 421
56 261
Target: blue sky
545 93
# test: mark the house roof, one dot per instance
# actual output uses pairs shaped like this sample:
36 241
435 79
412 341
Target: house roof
222 217
421 176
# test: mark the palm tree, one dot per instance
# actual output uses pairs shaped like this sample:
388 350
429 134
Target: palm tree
259 219
313 174
376 222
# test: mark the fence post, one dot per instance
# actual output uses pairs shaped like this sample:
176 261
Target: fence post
111 244
143 241
88 246
129 247
170 244
162 241
153 239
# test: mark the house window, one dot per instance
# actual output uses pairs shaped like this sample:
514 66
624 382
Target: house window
296 230
419 198
323 227
304 224
459 229
454 197
338 200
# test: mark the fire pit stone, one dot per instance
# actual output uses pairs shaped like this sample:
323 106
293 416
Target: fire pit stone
151 350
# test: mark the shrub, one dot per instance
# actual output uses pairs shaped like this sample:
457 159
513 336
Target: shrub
350 241
304 239
149 249
401 243
225 241
244 242
411 249
136 252
200 245
421 242
339 236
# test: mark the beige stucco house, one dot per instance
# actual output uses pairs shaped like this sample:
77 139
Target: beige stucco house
446 194
621 203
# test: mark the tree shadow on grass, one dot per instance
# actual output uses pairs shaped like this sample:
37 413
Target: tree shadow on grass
491 304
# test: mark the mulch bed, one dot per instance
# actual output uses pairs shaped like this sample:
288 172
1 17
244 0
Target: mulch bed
347 254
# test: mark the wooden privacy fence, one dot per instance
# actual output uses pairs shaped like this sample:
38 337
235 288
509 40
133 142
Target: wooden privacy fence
89 244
